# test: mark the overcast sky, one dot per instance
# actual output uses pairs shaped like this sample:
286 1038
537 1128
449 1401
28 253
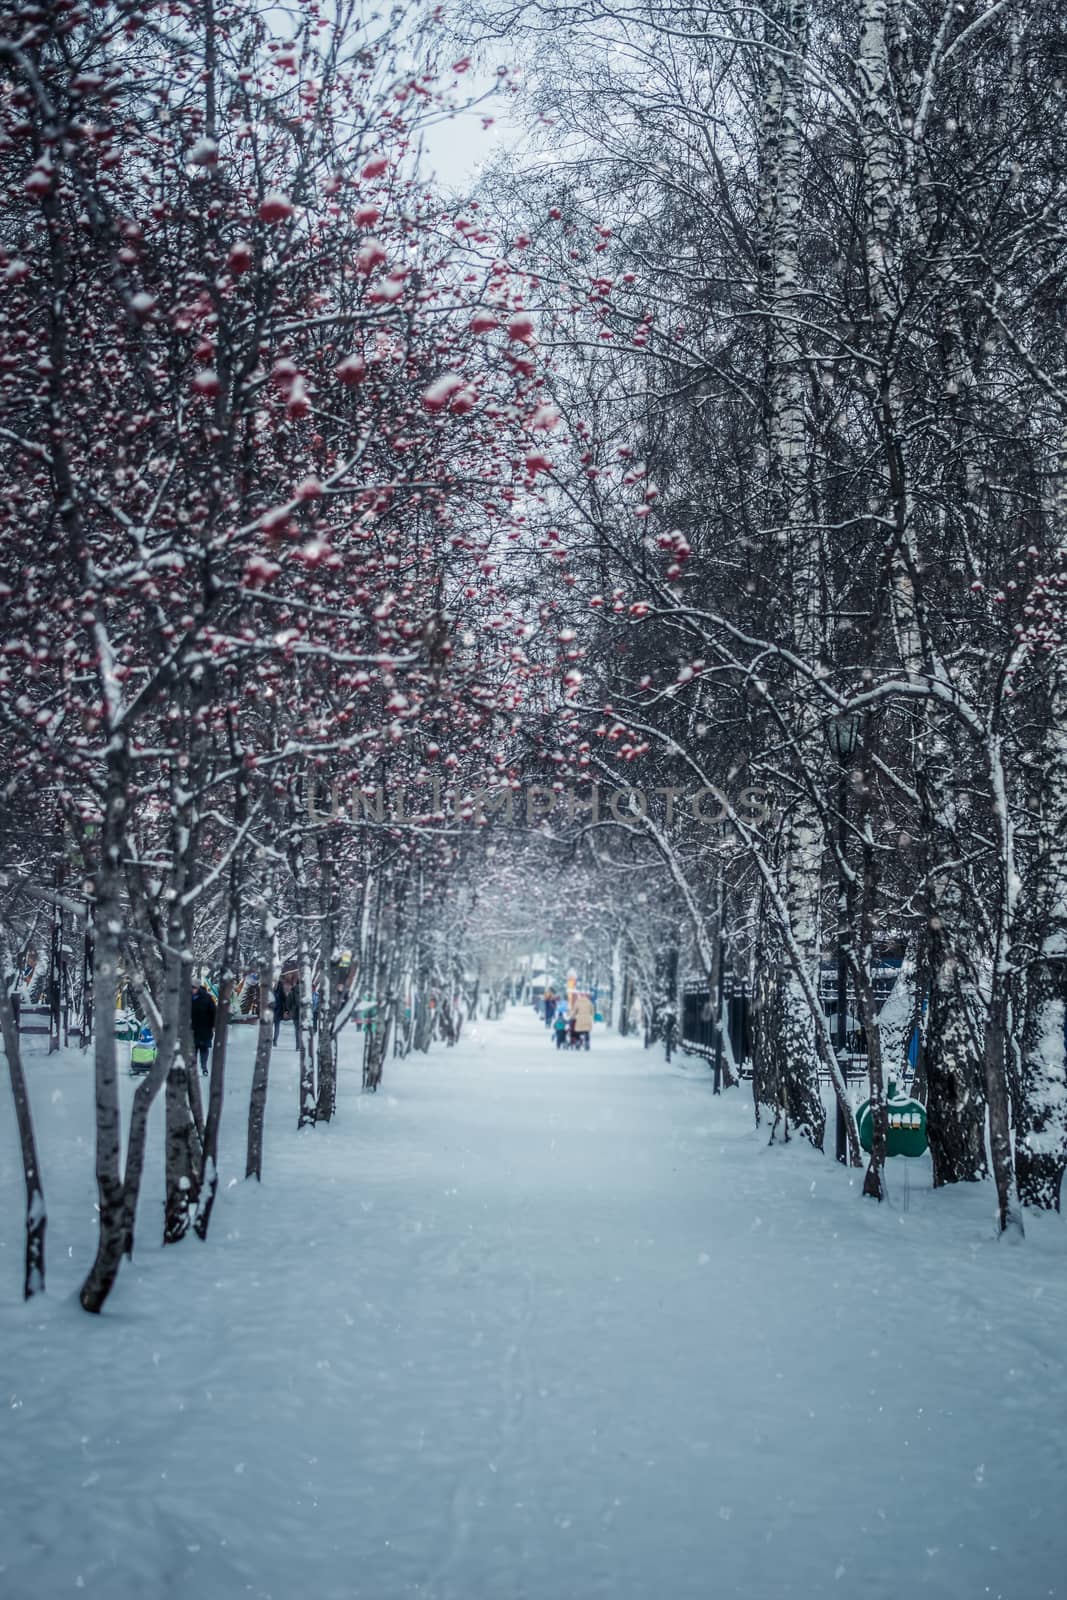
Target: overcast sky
456 149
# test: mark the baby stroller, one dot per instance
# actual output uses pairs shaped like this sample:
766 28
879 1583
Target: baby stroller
143 1052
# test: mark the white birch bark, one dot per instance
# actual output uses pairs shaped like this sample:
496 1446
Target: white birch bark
1041 1138
106 946
616 983
268 966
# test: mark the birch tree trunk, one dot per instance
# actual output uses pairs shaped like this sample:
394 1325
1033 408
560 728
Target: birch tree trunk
106 945
861 954
136 1140
301 912
789 1027
180 1144
795 1042
995 1052
995 1064
146 1092
268 966
1041 1134
329 983
182 1141
768 1103
617 998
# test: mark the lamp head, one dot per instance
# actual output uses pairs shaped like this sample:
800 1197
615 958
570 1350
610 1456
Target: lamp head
842 734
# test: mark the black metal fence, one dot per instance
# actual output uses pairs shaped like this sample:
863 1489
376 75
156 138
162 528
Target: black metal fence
699 1034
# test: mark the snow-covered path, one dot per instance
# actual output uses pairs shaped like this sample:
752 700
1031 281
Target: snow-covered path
529 1326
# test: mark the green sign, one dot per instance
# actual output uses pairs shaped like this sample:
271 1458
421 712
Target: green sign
907 1125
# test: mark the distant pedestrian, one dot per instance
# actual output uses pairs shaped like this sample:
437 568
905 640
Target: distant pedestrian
203 1018
550 1007
280 1006
560 1027
582 1020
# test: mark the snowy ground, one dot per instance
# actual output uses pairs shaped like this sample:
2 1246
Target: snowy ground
530 1326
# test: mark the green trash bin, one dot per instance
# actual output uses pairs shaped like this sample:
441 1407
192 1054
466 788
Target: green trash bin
907 1125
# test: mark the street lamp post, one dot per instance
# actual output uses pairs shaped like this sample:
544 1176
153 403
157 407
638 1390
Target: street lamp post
842 736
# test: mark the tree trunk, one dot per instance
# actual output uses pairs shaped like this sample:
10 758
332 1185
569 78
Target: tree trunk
182 1146
374 1043
209 1169
146 1092
36 1211
795 1048
329 985
794 1029
1009 1210
617 1021
208 1182
269 968
424 1014
627 1003
180 1153
377 1045
1041 1131
955 1103
786 1016
109 1187
326 1103
874 1178
86 1030
306 1114
196 1099
766 1081
1041 1137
